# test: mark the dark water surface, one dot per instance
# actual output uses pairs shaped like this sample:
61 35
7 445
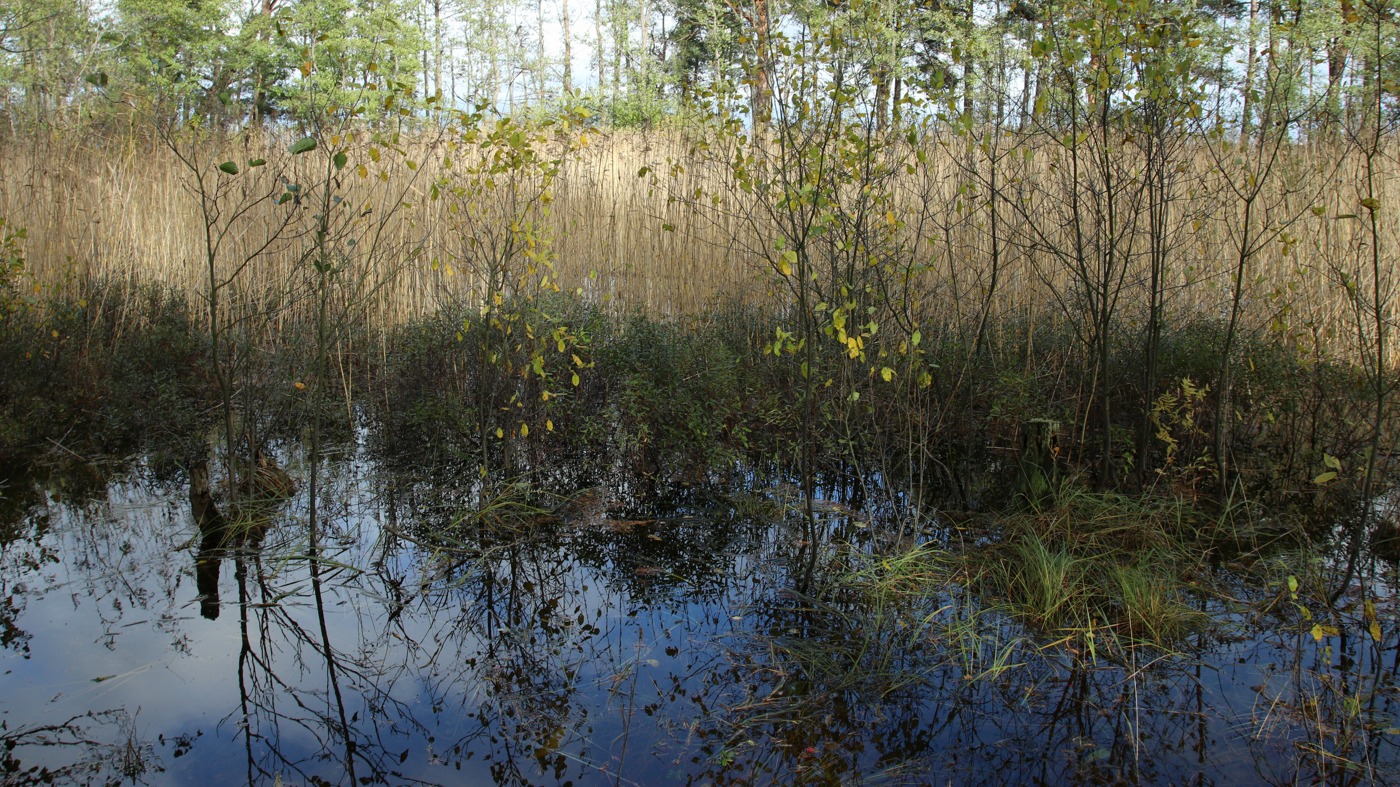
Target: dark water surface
607 644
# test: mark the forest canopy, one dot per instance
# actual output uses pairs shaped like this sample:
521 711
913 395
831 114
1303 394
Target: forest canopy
231 64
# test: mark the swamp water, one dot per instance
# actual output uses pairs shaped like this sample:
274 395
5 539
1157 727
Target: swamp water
606 644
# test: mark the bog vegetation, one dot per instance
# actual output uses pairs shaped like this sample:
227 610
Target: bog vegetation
1110 284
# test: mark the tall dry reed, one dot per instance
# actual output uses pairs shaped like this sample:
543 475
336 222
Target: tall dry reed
669 241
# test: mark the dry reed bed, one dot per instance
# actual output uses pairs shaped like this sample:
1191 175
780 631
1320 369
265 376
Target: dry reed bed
131 213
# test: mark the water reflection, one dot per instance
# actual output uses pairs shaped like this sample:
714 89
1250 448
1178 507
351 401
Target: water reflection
587 637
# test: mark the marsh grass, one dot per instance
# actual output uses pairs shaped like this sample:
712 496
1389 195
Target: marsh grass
1154 608
645 222
1098 573
1046 585
119 210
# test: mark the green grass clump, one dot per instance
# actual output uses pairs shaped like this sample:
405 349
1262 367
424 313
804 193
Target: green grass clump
1097 565
1044 583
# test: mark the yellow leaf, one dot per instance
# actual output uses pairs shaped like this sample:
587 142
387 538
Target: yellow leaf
887 373
548 425
575 380
1319 631
500 433
299 385
786 262
1375 629
524 430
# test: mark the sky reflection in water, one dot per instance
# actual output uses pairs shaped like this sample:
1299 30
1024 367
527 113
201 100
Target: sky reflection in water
612 646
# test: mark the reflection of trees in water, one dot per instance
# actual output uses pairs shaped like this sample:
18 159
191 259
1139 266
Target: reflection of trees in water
583 648
288 681
838 684
808 691
105 547
1332 705
97 758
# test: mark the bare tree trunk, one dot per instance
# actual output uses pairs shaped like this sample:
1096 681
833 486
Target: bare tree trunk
894 109
1270 67
645 23
424 56
761 91
568 48
541 70
967 67
1337 55
598 42
619 50
437 47
882 98
1251 66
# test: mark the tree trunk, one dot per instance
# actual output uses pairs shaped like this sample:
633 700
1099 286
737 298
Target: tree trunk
882 98
598 45
568 48
1250 76
437 47
761 90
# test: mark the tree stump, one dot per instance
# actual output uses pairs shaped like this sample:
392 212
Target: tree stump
1038 461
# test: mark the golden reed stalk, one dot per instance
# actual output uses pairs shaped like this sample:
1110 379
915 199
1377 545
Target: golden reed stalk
650 243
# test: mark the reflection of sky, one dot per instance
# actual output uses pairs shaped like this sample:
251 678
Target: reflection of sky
123 608
624 653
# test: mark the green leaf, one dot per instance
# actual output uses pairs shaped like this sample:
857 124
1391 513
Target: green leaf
302 145
98 79
1325 477
257 162
229 167
339 159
